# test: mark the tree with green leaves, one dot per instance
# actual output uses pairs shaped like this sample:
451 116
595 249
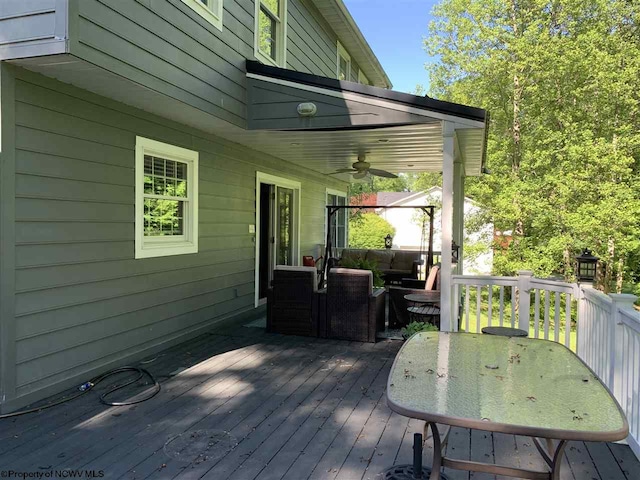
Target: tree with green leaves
368 231
561 79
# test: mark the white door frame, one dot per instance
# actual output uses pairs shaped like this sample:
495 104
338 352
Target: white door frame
262 177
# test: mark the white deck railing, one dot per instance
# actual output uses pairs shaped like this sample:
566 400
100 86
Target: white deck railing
609 342
508 301
604 330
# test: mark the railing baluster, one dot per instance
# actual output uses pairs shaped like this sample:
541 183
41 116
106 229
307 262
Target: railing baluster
635 411
547 301
556 318
513 307
478 299
567 321
536 315
466 307
490 309
501 305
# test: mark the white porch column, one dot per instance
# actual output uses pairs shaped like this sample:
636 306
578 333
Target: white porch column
448 153
458 207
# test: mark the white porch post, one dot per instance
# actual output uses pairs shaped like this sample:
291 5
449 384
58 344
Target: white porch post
458 208
446 298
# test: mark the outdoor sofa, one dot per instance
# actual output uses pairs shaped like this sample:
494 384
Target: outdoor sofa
348 309
393 264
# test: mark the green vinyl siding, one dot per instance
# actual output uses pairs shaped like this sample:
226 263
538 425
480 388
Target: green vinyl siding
169 48
82 302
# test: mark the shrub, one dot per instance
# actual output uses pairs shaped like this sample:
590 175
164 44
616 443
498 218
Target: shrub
415 327
363 264
368 231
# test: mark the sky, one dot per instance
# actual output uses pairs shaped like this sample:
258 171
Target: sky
395 30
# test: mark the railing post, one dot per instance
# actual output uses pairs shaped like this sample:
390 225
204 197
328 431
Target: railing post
524 299
616 358
579 295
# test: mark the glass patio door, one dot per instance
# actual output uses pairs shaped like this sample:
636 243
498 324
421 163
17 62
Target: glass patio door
277 241
284 226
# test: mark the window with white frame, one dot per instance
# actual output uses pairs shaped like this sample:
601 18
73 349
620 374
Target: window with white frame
339 220
344 64
210 10
362 78
270 36
166 199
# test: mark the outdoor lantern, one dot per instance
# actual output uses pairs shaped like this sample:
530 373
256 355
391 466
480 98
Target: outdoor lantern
388 241
455 252
586 266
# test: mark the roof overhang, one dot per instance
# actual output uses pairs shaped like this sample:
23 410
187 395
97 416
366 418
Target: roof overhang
350 36
395 131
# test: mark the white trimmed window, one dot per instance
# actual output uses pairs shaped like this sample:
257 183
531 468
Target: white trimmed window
271 32
362 78
343 71
339 221
166 199
210 10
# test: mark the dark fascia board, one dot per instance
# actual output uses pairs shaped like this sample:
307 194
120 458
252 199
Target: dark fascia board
425 103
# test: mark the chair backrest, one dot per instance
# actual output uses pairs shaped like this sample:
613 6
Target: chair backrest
285 275
349 293
350 280
432 279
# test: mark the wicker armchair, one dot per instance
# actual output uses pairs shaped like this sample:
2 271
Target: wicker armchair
398 314
354 310
293 301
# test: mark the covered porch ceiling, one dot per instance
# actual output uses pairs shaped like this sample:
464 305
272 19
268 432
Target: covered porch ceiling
394 131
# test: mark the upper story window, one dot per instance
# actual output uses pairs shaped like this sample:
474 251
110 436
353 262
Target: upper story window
211 10
271 23
362 78
166 199
344 64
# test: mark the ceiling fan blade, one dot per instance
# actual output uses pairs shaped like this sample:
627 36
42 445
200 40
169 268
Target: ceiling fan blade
359 175
382 173
343 170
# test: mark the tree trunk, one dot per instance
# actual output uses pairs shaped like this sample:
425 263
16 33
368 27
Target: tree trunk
516 122
620 275
608 273
568 262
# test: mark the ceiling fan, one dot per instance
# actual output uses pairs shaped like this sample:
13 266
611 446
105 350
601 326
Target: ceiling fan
361 168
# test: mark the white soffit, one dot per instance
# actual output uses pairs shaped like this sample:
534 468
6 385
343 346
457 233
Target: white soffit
397 149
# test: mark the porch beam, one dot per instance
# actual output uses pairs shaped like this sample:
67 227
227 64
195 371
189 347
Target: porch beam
448 175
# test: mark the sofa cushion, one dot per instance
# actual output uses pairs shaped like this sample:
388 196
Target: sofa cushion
404 260
382 258
354 253
397 273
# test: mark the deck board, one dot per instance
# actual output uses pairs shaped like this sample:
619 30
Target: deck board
298 407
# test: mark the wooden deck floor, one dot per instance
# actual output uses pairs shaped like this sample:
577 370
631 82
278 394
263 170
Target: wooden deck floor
298 408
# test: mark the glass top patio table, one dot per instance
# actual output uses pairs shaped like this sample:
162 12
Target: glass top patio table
520 386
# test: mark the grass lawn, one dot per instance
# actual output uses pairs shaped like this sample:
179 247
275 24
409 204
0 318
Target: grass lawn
495 321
